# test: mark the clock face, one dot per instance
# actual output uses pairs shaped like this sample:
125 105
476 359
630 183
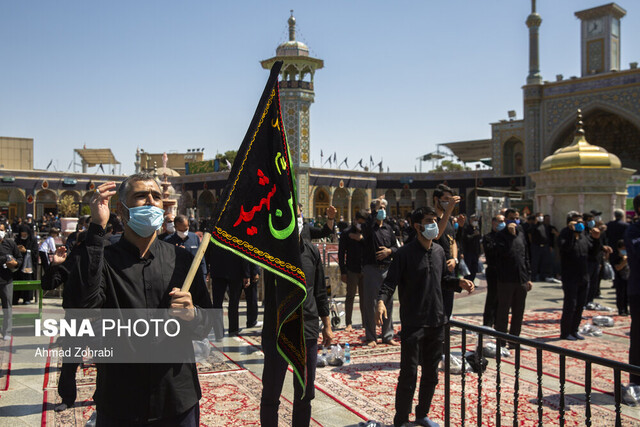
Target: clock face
595 26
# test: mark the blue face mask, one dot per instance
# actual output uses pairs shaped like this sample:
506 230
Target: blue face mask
501 226
512 221
579 227
456 226
623 252
591 223
430 231
381 215
145 220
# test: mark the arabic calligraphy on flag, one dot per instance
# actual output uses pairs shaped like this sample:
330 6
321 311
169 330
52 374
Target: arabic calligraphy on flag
256 218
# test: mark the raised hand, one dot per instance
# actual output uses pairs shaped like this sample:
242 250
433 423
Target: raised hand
100 203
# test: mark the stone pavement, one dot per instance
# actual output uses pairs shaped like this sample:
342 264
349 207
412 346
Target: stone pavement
22 403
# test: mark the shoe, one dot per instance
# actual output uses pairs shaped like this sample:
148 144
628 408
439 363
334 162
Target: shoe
578 336
623 313
255 325
569 338
234 333
7 337
391 342
27 302
63 407
590 306
371 344
426 422
349 328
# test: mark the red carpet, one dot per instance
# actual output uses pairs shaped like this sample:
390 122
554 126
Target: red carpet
6 348
367 387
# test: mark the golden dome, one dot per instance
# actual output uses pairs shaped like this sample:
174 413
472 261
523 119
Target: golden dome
581 154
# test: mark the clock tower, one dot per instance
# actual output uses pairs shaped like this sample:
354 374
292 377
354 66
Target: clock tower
296 97
600 38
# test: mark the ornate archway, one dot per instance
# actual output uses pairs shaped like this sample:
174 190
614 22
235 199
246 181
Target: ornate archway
392 206
320 202
12 203
341 202
358 201
206 203
406 203
513 157
46 201
421 199
608 130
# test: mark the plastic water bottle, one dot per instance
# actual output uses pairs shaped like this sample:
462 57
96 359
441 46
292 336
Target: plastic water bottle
347 353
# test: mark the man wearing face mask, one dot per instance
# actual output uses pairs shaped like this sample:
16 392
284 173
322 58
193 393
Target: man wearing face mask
491 272
186 239
168 227
540 249
139 271
514 274
575 246
10 259
350 262
379 244
420 272
445 203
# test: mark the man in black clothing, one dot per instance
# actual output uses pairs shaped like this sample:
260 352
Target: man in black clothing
491 272
575 245
379 245
10 259
350 262
514 274
445 202
596 255
140 271
540 249
168 227
471 246
420 272
315 306
229 273
310 232
617 228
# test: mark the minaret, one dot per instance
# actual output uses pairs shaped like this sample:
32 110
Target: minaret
296 97
533 22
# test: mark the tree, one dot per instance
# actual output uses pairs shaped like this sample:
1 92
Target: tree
450 166
228 155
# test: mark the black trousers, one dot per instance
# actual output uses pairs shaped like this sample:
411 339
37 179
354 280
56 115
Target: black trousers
575 298
235 289
273 374
447 300
634 337
622 300
67 382
594 280
420 346
511 296
491 301
190 418
540 262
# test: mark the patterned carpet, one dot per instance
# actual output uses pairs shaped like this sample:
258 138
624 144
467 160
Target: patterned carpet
6 348
367 387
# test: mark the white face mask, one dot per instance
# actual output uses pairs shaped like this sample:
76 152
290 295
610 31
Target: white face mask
540 219
300 224
2 234
171 228
183 234
358 226
474 223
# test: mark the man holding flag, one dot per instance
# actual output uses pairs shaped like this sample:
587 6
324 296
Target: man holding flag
256 219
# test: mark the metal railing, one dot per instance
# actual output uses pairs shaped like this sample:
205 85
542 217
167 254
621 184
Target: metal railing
540 347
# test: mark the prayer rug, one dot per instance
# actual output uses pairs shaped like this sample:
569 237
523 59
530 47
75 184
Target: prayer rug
367 388
6 348
228 399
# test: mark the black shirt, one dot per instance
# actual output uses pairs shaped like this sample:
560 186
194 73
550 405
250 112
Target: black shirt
420 275
8 247
447 238
471 240
312 232
350 252
574 253
539 234
513 257
490 249
116 276
316 304
375 236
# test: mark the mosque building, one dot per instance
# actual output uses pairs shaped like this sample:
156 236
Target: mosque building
607 94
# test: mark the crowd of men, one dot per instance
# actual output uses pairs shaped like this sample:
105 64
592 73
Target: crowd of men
427 256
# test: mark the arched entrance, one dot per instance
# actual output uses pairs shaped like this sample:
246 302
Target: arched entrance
405 202
206 203
320 202
358 201
185 203
615 134
392 207
341 203
421 199
12 203
512 157
46 201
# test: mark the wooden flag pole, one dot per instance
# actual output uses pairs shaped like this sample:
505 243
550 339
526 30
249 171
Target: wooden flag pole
195 265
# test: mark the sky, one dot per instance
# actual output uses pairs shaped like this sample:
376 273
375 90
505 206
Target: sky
399 77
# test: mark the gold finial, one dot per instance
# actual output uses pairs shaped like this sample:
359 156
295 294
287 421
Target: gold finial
292 27
533 6
579 124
